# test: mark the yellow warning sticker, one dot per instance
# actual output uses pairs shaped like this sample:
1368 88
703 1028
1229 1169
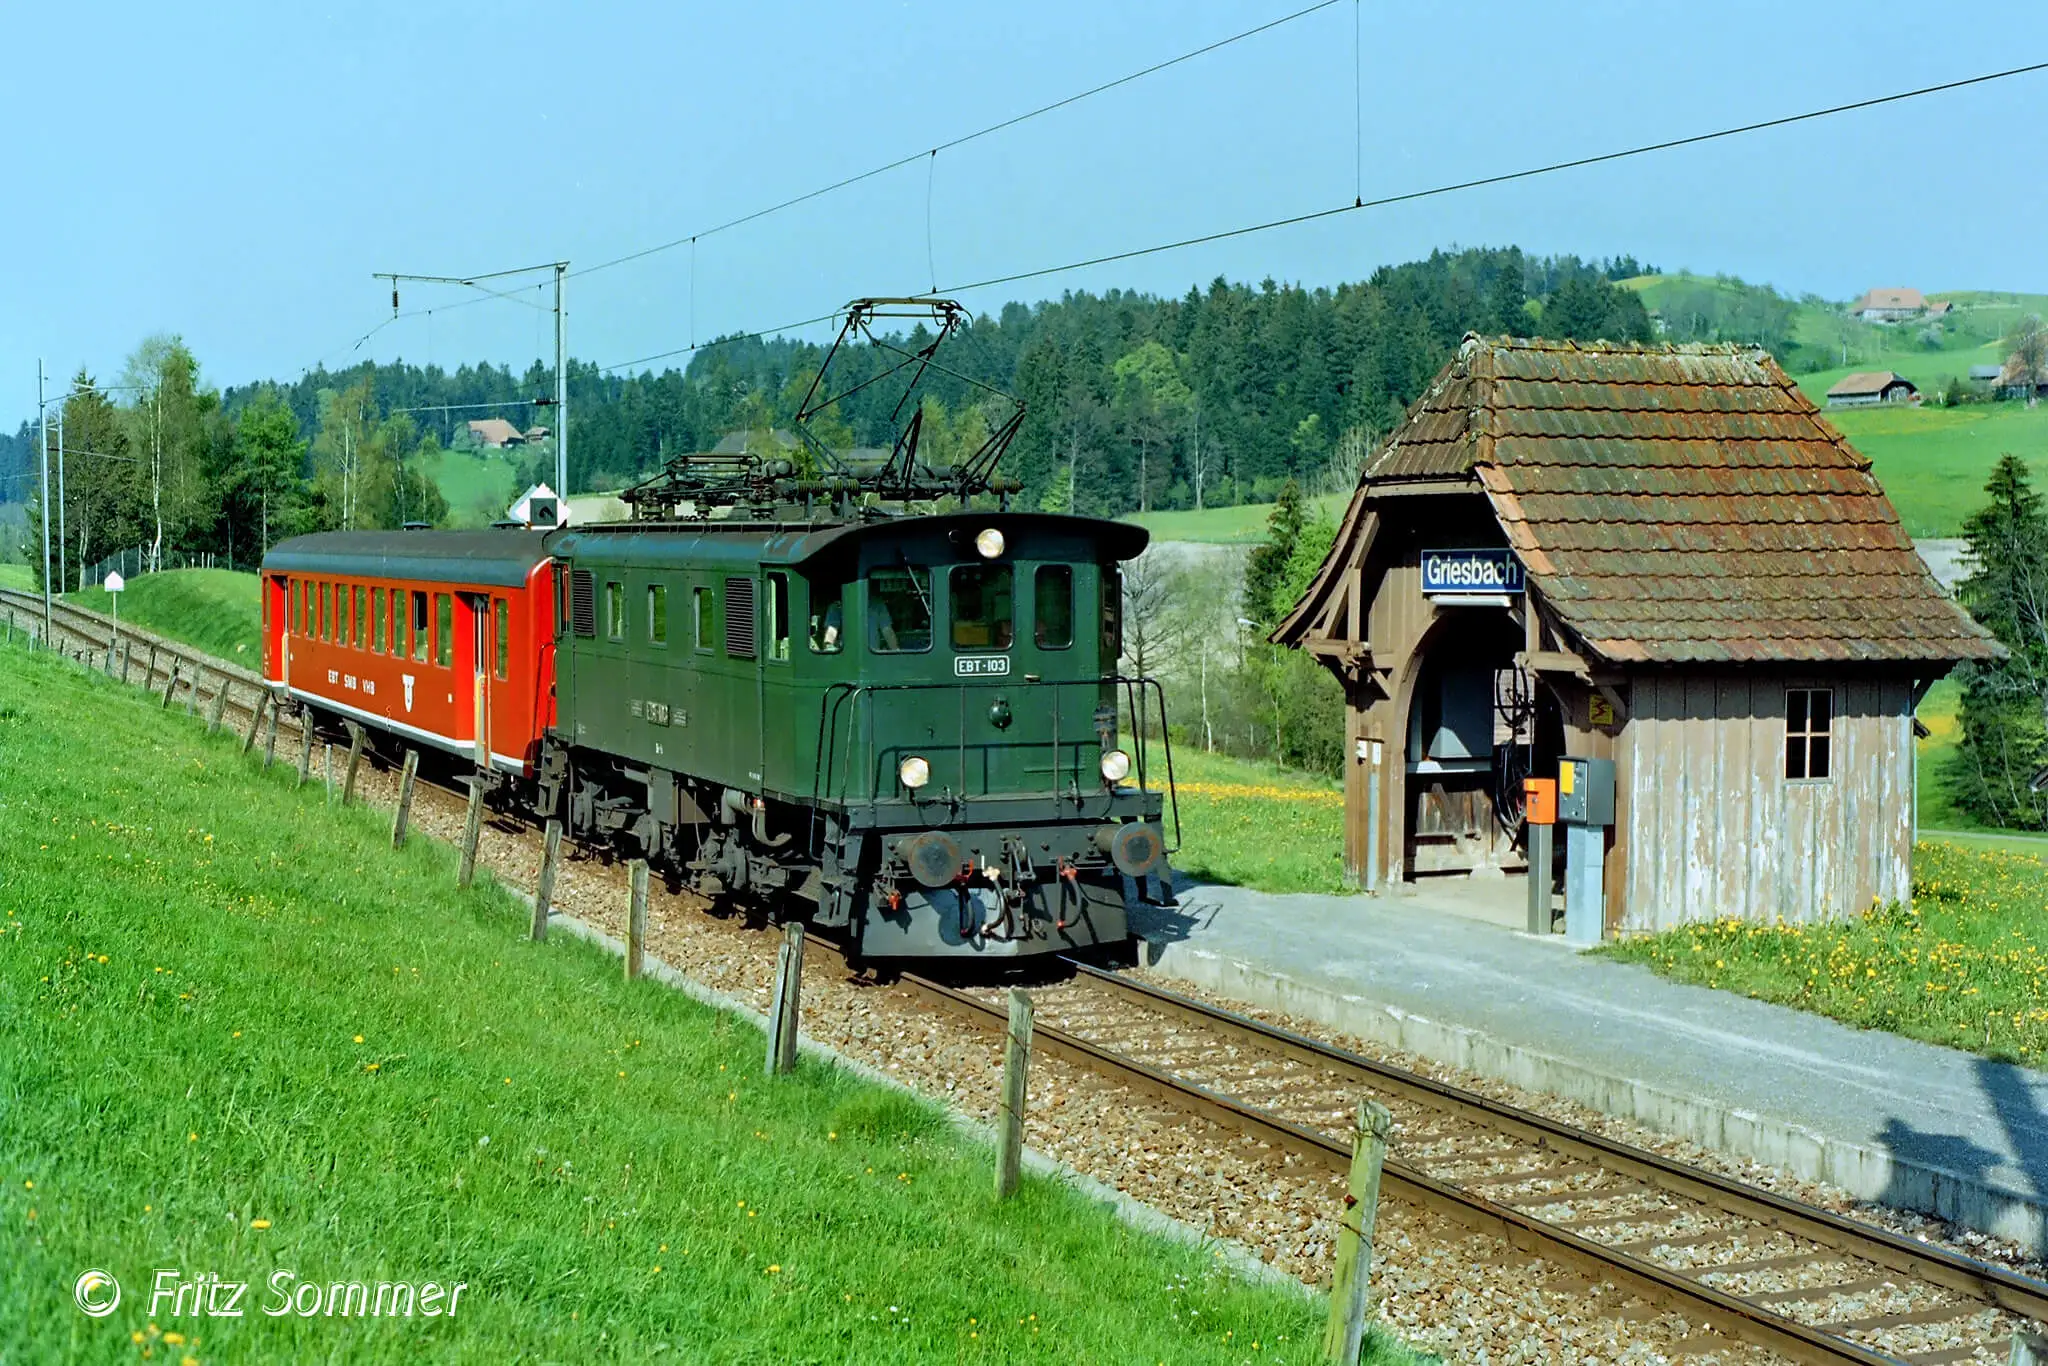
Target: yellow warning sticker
1565 774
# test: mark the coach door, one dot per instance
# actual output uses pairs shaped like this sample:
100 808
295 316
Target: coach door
480 662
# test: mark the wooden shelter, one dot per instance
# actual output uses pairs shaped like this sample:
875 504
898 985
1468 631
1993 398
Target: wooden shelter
1658 555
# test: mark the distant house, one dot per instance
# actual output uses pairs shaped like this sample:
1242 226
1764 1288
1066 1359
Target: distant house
1940 308
1867 387
494 431
735 443
1889 305
537 434
2013 382
1986 374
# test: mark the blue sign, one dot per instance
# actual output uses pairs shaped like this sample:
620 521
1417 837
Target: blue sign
1471 571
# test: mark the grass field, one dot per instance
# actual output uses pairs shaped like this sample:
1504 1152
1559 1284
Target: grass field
246 1038
1966 965
479 485
17 576
215 610
1257 825
1243 523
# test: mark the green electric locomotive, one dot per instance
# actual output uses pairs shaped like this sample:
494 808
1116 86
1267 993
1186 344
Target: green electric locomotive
792 680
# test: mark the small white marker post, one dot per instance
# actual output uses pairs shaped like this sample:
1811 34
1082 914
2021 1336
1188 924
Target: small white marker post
114 583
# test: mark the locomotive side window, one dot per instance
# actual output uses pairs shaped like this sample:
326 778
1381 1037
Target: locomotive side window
377 620
419 626
657 613
501 632
900 610
1052 598
778 616
444 630
984 610
615 609
828 618
706 610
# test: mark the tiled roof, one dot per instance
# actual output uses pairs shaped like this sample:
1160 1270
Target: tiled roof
1890 298
1680 504
1866 382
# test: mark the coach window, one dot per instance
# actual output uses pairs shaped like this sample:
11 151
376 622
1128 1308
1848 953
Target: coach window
419 626
501 636
444 630
900 610
1809 717
657 613
1052 606
377 621
778 616
325 594
361 632
341 617
984 613
615 609
706 611
394 622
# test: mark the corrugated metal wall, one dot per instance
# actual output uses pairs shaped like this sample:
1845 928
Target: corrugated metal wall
1715 829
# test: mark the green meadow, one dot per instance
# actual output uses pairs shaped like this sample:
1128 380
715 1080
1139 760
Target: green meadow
215 610
248 1039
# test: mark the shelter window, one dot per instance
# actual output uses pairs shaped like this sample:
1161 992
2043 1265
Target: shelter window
778 616
419 625
377 620
1052 599
1809 720
657 613
828 618
357 615
501 636
614 609
706 609
984 609
900 610
444 630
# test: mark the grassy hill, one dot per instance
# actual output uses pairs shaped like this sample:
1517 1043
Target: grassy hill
215 610
478 484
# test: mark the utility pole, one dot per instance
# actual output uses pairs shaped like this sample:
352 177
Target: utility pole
561 390
63 556
43 440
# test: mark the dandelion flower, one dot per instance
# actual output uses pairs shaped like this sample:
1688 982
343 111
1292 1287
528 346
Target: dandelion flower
259 1223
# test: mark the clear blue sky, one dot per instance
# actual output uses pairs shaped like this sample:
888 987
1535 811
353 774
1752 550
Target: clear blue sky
235 172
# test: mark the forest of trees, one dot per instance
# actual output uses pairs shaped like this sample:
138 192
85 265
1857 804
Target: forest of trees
1133 403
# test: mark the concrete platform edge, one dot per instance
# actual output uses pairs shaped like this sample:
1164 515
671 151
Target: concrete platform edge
1132 1212
1867 1172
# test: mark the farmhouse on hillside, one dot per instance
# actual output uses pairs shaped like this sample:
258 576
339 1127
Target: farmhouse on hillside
494 432
1866 387
1662 557
1889 305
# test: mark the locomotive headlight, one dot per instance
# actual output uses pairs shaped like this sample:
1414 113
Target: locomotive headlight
989 542
914 772
1116 765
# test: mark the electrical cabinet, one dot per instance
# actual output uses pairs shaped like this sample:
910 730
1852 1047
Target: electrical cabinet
1585 791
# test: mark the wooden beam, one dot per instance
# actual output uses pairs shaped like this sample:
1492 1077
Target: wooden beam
1555 662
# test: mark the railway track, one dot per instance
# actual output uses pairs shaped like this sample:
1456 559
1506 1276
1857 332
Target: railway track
1743 1263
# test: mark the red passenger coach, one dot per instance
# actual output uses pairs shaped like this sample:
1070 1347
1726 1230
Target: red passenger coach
442 638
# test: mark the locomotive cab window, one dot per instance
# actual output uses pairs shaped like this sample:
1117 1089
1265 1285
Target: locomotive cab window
828 618
778 616
1809 720
1052 606
657 613
705 609
984 610
900 610
615 609
1112 617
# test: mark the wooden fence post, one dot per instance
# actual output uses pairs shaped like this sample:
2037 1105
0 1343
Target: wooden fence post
220 706
1016 1088
2028 1349
1350 1288
192 697
356 735
786 1007
110 659
636 920
327 772
170 687
544 891
305 748
472 830
149 669
255 719
403 815
127 658
269 735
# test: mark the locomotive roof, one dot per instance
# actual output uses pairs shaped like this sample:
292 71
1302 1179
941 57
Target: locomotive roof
502 557
808 544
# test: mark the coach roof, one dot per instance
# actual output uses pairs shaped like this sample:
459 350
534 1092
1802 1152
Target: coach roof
502 558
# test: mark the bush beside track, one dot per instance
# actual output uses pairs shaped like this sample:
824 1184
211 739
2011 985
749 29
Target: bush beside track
247 1037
